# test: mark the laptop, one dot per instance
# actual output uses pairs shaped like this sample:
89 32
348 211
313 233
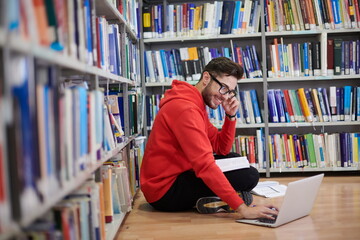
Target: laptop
298 202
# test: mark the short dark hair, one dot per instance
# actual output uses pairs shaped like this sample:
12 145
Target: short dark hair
223 66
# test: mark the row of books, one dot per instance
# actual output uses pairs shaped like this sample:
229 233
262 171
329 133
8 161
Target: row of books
188 63
314 150
56 132
113 45
309 59
325 150
129 9
84 213
292 15
249 109
314 105
73 28
190 19
136 106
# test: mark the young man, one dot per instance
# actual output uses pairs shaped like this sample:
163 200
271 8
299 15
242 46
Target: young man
178 169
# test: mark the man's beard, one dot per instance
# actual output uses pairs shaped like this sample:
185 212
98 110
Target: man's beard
208 97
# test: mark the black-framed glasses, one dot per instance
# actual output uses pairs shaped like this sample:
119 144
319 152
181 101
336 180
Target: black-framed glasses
223 88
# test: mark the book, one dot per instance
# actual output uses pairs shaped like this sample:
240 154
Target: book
229 164
269 189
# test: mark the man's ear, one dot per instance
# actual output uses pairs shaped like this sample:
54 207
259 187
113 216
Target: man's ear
206 78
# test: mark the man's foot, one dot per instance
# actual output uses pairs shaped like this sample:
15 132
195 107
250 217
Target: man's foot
247 197
211 205
215 204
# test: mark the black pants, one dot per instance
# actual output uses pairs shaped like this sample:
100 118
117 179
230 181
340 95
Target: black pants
188 188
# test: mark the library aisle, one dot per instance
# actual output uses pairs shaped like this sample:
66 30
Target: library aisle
336 215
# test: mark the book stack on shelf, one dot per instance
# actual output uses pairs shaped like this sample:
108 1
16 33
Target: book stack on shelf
301 63
310 15
187 63
197 19
58 126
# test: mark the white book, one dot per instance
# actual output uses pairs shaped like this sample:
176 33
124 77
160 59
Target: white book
229 164
269 189
150 66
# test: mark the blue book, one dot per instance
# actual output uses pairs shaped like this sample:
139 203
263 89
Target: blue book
117 50
88 30
279 105
101 37
83 120
156 20
342 113
357 68
310 104
273 112
358 105
326 115
297 152
227 17
255 104
338 104
257 62
24 122
336 12
281 58
226 52
241 17
344 150
112 50
171 64
347 102
244 106
249 60
306 58
253 11
235 23
245 63
326 102
191 12
164 64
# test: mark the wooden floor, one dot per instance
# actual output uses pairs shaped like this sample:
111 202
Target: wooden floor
336 215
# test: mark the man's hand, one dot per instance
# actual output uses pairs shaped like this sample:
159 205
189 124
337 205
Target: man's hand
258 211
231 106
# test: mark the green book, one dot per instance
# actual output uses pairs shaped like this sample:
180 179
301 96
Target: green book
311 149
337 56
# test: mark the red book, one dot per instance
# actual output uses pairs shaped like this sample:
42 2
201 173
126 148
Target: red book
285 139
357 11
330 56
288 105
251 153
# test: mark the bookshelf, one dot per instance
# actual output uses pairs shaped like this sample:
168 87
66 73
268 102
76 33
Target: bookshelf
261 39
45 84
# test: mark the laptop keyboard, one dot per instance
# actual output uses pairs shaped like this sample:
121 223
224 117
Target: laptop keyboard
267 220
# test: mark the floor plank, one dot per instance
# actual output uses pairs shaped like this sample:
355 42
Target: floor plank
336 215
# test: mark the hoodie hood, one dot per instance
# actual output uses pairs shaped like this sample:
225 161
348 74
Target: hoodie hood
181 90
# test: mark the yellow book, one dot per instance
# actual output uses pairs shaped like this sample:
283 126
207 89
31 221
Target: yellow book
106 179
292 151
315 98
193 53
102 210
304 105
355 149
271 157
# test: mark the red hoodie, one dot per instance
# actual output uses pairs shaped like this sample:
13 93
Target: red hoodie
182 139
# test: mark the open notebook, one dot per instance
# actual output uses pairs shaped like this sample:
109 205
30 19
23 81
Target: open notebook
298 202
